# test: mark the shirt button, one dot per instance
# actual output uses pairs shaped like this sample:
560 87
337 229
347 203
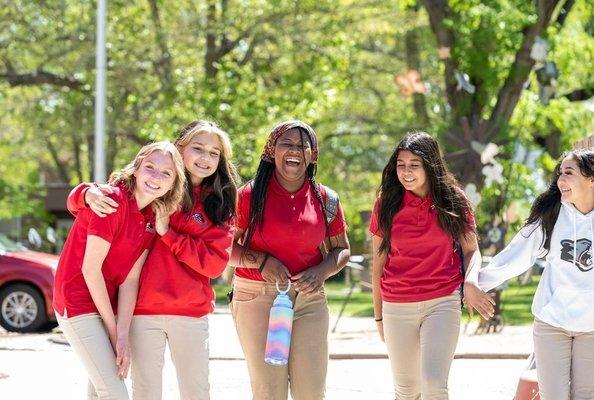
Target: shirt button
292 197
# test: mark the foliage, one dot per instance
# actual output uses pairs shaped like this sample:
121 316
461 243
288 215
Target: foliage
249 64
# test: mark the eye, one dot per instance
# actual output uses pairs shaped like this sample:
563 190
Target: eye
168 174
214 154
149 166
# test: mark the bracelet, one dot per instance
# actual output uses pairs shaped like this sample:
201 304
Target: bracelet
261 267
379 319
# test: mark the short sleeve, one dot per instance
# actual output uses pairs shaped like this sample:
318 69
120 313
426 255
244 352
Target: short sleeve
105 227
243 207
374 228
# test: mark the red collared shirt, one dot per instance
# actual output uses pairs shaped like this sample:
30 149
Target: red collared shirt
175 278
129 232
421 264
293 227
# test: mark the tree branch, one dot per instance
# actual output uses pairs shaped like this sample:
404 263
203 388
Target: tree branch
510 92
439 11
163 64
40 77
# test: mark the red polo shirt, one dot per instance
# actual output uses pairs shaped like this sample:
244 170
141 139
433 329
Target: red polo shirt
293 227
421 264
175 278
128 230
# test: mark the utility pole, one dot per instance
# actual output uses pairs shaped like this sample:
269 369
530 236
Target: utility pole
100 96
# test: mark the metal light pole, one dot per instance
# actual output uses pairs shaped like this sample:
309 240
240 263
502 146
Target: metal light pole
100 97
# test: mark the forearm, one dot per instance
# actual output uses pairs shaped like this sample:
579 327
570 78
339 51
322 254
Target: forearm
248 259
127 295
96 284
376 274
472 266
335 261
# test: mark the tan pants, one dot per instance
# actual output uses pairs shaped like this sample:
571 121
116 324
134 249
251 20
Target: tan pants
421 338
563 357
188 343
308 357
89 340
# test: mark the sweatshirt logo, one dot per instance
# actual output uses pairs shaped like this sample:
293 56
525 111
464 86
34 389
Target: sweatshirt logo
198 218
583 253
149 228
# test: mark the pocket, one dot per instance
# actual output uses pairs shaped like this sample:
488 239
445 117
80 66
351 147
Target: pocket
570 308
243 296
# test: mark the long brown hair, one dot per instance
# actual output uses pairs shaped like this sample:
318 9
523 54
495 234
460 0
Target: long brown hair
170 200
219 190
448 198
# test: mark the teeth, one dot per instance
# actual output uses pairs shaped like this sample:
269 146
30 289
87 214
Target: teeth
202 166
409 180
295 160
152 186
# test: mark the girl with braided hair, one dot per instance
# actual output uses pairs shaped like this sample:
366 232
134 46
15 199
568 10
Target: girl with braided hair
287 229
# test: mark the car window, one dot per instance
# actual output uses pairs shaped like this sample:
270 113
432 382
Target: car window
8 245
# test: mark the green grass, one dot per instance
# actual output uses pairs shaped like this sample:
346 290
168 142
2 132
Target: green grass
516 301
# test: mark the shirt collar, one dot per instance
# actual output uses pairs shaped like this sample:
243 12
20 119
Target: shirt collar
410 199
275 186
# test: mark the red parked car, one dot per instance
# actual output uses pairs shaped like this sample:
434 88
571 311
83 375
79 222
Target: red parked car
26 287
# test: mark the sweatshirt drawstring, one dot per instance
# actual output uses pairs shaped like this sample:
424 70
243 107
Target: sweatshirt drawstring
574 239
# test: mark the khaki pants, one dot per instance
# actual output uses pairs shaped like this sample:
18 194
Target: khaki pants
188 343
421 338
308 357
89 340
563 357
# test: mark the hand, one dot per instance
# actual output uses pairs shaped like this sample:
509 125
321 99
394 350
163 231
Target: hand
275 271
476 299
122 356
98 201
161 219
309 281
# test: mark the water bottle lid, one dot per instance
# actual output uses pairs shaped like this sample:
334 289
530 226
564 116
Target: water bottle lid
284 291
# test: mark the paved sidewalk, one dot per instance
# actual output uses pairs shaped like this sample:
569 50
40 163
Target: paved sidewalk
357 338
42 366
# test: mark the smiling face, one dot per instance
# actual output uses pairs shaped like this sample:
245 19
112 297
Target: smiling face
411 173
292 156
201 156
574 186
155 176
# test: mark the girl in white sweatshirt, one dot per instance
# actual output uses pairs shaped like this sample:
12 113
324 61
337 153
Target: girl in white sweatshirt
560 229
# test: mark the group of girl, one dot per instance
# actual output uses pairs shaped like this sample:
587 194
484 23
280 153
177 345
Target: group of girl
134 274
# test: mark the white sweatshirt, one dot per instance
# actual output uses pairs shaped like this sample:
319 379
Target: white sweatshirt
565 295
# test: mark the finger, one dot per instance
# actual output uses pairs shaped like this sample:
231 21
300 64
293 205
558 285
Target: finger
105 188
470 310
110 202
298 276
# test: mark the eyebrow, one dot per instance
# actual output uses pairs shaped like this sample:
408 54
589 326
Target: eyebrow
412 160
197 141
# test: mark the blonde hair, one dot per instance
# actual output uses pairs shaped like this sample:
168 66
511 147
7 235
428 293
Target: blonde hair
220 198
170 200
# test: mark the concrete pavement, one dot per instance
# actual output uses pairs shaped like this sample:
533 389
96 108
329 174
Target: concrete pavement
40 366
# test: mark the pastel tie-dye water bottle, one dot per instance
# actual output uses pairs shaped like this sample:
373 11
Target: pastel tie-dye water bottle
280 324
